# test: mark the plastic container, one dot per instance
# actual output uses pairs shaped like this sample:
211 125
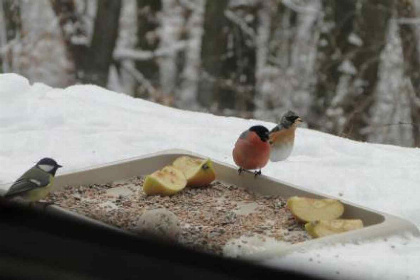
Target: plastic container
376 224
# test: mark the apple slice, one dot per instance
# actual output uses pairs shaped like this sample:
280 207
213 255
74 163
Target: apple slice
199 172
328 227
166 181
310 209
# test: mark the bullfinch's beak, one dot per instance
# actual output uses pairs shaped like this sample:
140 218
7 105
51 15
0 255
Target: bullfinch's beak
299 120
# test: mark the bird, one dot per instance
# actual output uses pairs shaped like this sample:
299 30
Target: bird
252 150
36 183
282 136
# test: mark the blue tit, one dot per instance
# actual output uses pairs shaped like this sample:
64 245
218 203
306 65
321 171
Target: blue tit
36 183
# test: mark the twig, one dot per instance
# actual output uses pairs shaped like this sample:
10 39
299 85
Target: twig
241 23
191 5
407 20
393 124
300 9
139 77
241 90
121 54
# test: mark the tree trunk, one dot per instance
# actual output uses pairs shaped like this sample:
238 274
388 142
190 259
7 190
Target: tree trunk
65 11
186 58
228 56
13 28
148 40
371 26
244 59
274 40
213 51
333 46
103 42
92 61
184 35
12 18
409 40
282 34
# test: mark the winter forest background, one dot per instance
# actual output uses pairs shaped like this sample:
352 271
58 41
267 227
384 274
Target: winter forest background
348 67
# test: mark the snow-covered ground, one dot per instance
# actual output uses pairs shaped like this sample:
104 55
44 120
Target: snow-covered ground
87 125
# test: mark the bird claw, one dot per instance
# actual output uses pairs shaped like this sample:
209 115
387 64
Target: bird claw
43 204
256 173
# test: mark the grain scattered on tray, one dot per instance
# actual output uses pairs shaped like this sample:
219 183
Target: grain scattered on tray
209 216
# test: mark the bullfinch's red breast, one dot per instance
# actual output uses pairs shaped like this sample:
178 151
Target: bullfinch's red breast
252 149
282 136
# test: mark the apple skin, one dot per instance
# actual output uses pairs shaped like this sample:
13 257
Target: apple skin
199 172
328 227
167 181
306 209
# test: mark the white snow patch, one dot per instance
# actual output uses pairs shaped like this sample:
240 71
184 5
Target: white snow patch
347 67
355 40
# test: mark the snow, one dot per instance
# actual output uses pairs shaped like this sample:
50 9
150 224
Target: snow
355 40
347 67
87 125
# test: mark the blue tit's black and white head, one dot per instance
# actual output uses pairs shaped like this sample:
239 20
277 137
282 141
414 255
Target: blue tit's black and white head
48 165
289 119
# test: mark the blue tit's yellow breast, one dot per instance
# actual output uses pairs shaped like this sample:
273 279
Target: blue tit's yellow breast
39 193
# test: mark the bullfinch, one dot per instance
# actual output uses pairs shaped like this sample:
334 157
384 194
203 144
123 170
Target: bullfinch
282 136
36 183
252 149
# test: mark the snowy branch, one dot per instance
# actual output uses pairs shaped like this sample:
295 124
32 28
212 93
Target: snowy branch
239 89
407 20
191 5
300 9
241 23
139 77
121 53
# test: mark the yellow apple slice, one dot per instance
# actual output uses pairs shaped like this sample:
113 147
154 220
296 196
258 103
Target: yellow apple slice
328 227
199 172
310 209
166 181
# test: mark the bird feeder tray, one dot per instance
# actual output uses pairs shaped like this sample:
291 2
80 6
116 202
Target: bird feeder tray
376 224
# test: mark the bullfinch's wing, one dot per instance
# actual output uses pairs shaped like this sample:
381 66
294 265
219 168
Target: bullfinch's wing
275 132
281 145
32 179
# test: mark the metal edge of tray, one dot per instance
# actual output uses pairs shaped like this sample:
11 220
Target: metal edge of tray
377 224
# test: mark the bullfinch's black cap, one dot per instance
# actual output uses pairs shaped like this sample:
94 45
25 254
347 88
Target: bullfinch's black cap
261 131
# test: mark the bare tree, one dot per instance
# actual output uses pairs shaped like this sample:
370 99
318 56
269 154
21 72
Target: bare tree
242 57
282 34
105 33
148 40
184 35
11 10
213 51
352 38
92 59
371 26
228 56
13 28
409 40
333 47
